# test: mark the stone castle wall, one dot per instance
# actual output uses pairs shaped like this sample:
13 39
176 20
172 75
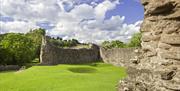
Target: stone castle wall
159 66
51 55
9 67
119 56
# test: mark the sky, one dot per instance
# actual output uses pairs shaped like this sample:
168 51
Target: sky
86 20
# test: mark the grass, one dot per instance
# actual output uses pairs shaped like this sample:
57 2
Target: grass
89 77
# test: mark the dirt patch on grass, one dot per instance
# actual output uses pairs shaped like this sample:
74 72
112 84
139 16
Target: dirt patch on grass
82 70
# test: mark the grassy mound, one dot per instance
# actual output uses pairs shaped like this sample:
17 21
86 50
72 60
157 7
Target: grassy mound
90 77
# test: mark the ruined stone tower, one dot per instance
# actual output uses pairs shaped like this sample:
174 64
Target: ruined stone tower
159 66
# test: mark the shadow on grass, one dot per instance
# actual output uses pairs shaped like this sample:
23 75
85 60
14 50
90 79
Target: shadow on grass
82 70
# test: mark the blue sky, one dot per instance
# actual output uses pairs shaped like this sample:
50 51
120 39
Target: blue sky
131 9
86 20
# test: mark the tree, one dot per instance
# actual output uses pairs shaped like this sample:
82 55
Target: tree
58 38
18 47
118 44
59 42
2 36
36 37
5 56
74 42
113 44
135 40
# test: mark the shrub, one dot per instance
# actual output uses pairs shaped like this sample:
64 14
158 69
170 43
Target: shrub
5 56
135 40
18 48
59 42
113 44
36 37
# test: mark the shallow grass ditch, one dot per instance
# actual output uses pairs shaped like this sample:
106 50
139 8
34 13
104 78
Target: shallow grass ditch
86 77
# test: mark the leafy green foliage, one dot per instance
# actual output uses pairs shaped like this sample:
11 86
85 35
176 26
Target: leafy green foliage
134 42
5 56
1 37
59 42
36 37
18 48
113 44
4 53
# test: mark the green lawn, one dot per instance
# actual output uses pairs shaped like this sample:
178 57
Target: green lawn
95 77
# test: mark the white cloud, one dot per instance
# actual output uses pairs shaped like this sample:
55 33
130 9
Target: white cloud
83 11
84 22
97 31
16 26
32 10
102 8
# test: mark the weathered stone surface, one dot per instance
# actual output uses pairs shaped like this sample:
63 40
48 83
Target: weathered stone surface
168 75
175 15
170 39
171 27
146 26
170 55
159 7
147 37
175 49
164 46
9 67
52 55
119 56
159 67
